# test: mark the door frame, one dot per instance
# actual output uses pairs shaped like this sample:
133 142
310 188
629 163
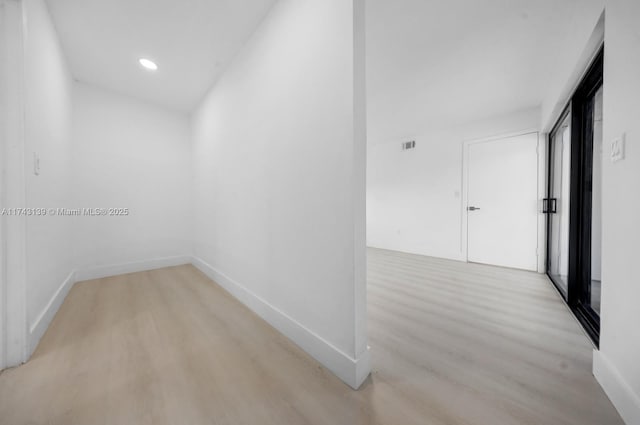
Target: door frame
464 198
3 106
591 83
566 112
13 322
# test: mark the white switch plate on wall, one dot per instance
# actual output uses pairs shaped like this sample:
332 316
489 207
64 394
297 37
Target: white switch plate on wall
617 149
36 164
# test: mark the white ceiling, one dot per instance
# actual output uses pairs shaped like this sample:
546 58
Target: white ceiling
191 41
438 64
428 63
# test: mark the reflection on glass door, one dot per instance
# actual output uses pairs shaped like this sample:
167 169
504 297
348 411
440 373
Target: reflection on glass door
558 203
596 206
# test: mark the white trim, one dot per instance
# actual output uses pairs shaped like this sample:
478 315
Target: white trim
458 257
362 369
3 113
97 272
359 198
41 324
464 199
619 391
542 193
15 314
352 371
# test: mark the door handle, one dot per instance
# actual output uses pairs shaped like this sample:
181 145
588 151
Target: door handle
550 206
472 208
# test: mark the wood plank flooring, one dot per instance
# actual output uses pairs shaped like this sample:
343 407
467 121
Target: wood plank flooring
452 343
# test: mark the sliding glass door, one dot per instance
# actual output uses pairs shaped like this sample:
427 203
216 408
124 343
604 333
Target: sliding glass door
557 205
574 202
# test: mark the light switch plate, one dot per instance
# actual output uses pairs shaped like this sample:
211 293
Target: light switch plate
36 164
617 149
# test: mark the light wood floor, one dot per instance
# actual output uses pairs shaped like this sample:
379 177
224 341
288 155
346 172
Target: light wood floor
452 343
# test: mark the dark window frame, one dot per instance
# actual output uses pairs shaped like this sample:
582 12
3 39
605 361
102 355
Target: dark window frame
565 113
580 210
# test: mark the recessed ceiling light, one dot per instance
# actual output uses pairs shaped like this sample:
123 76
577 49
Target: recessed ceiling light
149 64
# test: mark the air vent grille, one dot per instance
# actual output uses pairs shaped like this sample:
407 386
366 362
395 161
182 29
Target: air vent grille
408 145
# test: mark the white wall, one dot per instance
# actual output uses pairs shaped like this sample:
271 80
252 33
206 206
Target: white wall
574 51
279 176
129 154
617 365
414 200
47 85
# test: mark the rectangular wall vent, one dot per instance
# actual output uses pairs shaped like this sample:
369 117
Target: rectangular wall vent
408 145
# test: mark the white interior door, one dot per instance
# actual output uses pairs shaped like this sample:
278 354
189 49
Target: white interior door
502 207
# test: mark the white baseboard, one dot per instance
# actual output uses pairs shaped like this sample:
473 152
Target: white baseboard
620 393
454 257
352 371
97 272
363 368
39 327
